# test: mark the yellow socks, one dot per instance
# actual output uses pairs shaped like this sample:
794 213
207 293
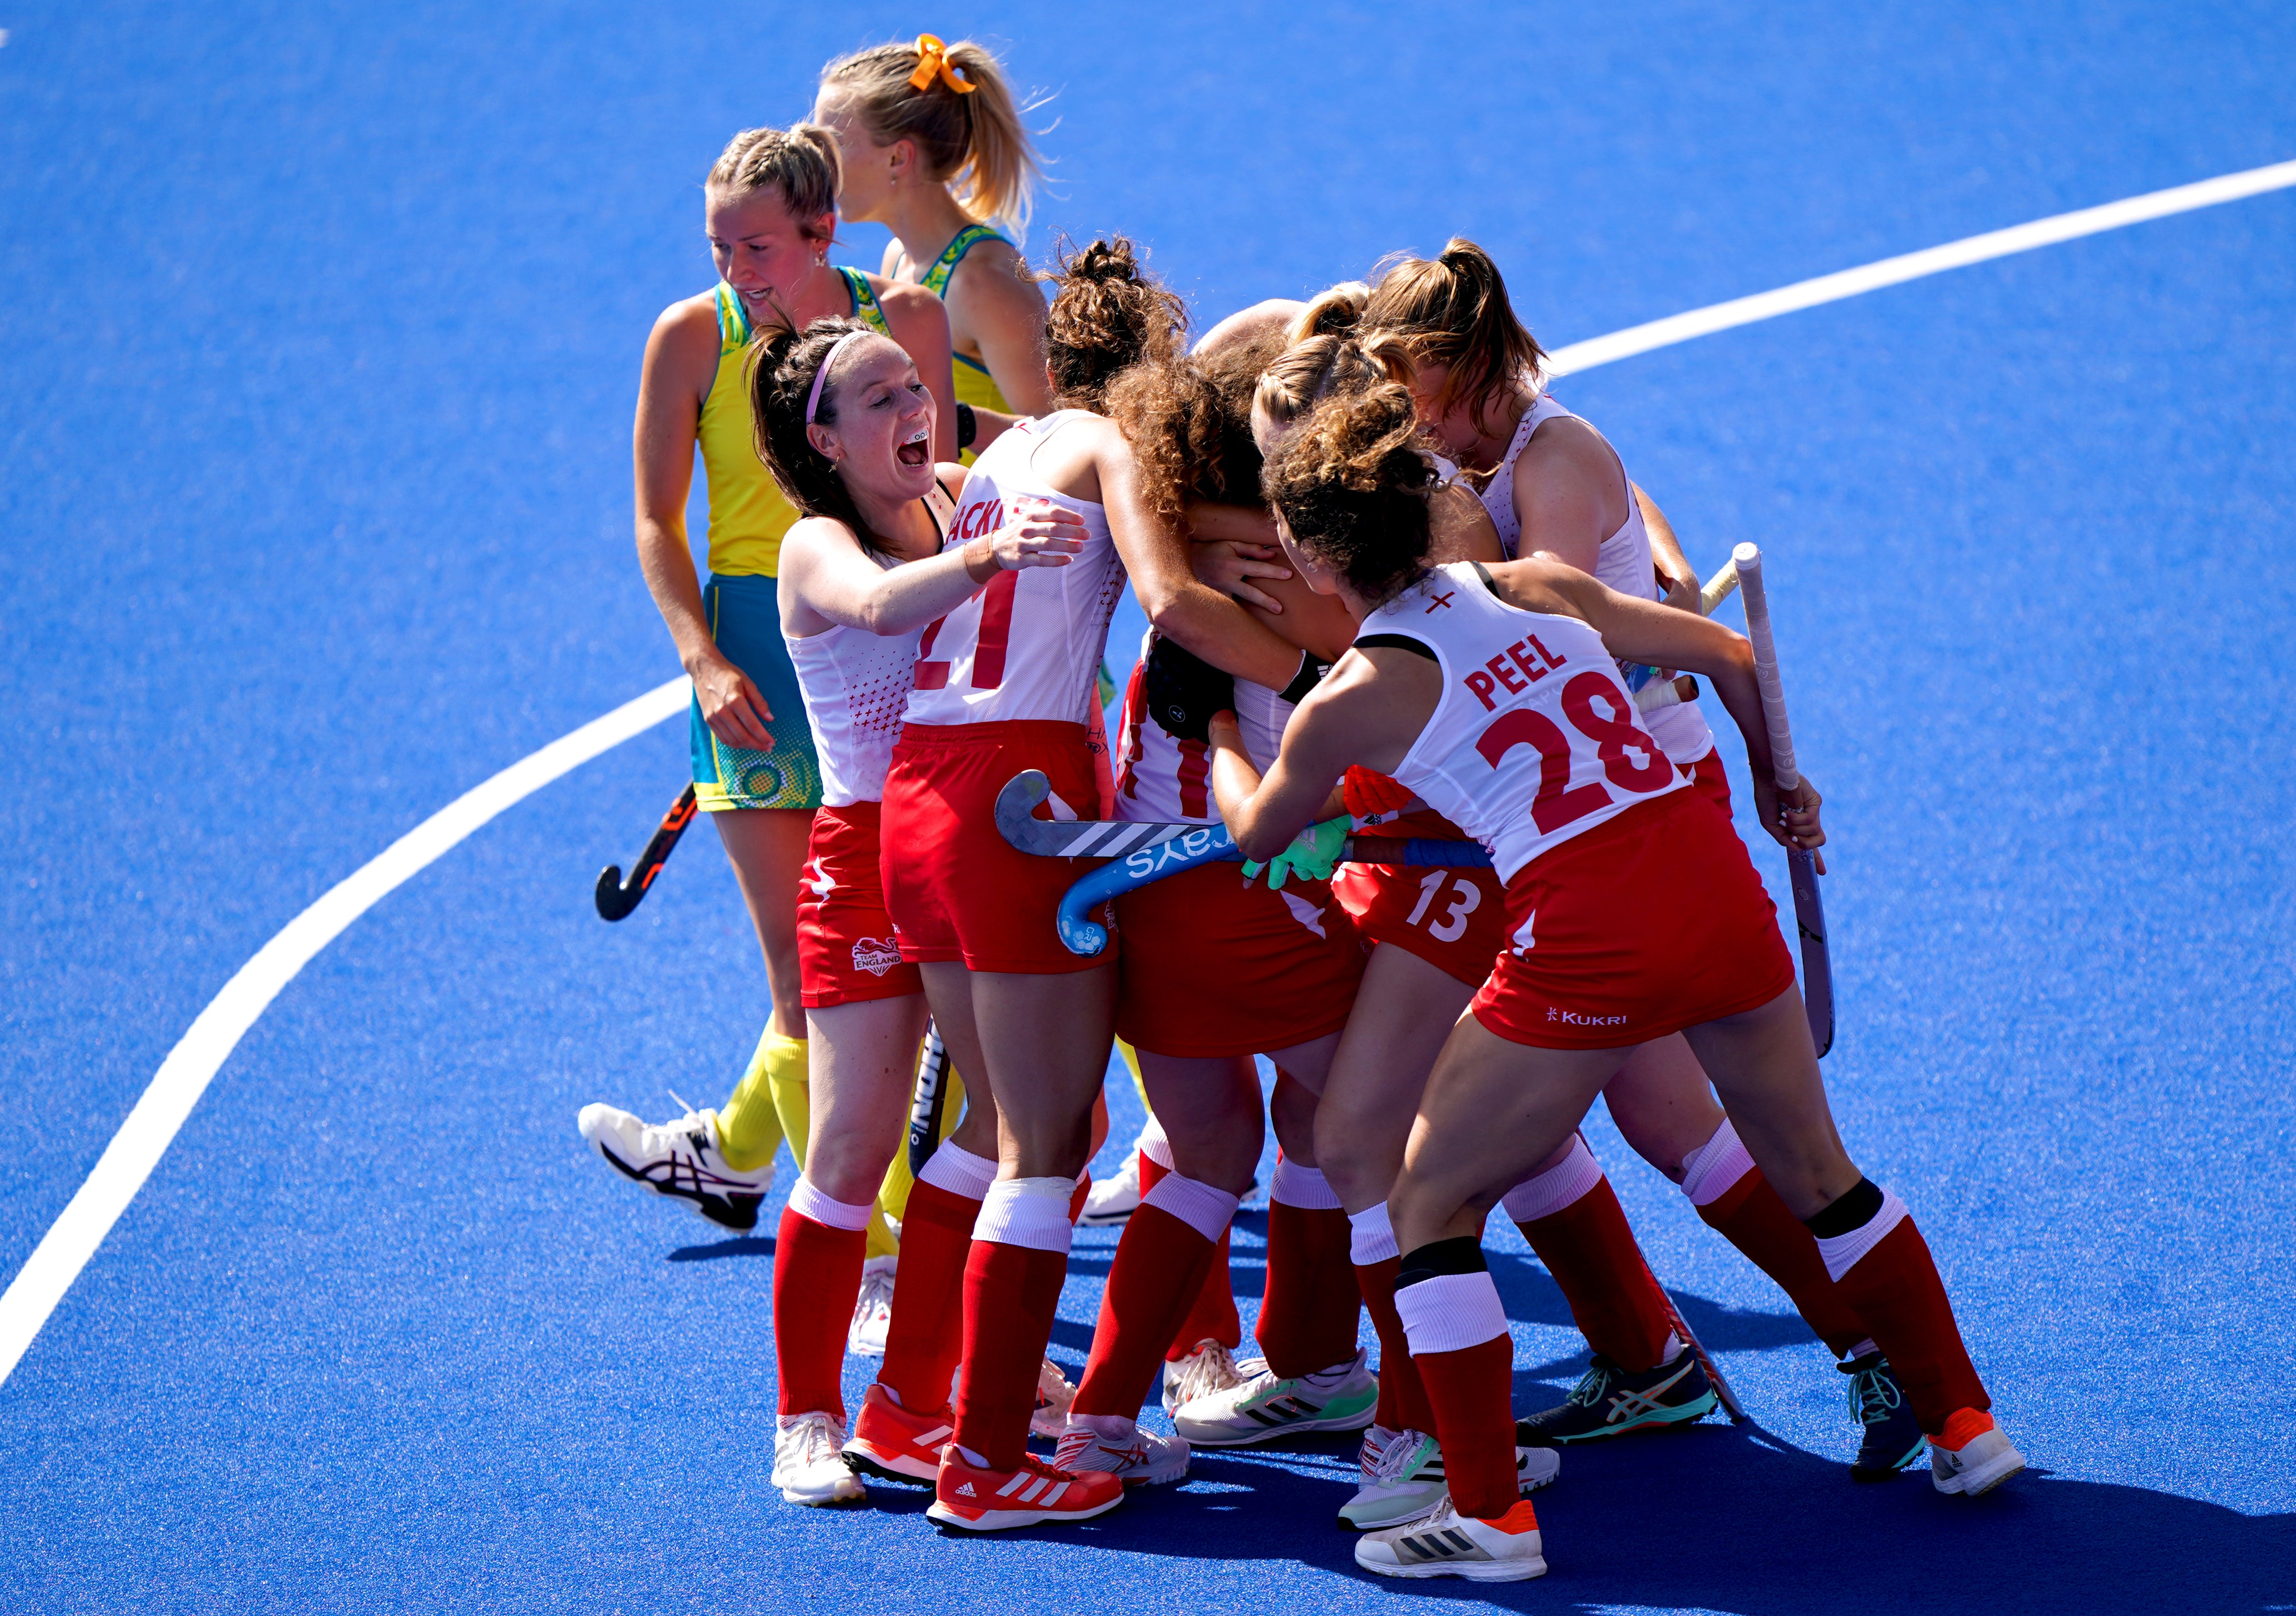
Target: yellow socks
753 1120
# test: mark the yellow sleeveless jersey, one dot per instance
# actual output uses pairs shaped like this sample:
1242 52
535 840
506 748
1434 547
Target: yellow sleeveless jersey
747 513
974 385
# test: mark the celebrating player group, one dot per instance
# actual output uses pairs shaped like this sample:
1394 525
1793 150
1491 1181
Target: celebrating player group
1418 643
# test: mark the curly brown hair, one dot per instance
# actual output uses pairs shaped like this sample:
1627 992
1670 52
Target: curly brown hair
781 365
1109 314
1352 486
1189 423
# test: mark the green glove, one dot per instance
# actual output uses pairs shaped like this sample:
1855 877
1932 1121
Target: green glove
1314 853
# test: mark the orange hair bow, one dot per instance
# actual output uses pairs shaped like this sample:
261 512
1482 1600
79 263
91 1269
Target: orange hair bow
933 62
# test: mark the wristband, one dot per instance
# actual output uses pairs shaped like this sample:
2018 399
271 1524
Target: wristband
968 426
1310 675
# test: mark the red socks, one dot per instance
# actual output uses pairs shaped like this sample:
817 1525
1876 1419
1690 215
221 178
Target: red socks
1212 1315
1738 1203
1012 1291
1459 1341
927 1329
1309 1312
1572 1219
1403 1402
1884 1269
817 1255
1159 1272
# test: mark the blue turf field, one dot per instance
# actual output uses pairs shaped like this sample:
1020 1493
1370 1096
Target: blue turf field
319 329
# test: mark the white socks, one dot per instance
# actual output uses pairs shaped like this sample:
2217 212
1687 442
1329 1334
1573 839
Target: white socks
1555 1188
1371 1238
808 1203
1032 1212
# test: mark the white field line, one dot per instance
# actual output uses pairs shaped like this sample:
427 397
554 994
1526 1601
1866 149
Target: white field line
1913 265
184 1075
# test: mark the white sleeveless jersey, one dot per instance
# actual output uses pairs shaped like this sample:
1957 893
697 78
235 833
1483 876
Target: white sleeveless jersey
1161 779
1624 563
855 687
1536 738
1028 645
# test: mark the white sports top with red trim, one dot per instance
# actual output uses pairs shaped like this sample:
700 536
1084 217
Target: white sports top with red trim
855 687
1623 562
1536 738
1027 645
1161 779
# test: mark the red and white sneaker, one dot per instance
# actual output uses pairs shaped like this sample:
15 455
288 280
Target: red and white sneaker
1111 1443
890 1442
976 1498
1973 1455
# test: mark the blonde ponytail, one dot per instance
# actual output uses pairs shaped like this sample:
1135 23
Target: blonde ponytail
1453 311
971 140
800 163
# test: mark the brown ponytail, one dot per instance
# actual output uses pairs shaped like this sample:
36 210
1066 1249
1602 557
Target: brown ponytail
1108 314
781 367
971 141
1336 311
1352 487
800 163
1453 311
1189 423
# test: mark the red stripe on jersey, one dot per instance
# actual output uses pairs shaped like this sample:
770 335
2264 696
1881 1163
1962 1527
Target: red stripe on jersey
932 675
1134 710
1195 770
995 631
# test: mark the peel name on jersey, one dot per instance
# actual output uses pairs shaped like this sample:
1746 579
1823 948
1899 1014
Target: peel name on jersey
1513 671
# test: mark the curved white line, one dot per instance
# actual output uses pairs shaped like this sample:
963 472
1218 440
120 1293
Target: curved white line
184 1075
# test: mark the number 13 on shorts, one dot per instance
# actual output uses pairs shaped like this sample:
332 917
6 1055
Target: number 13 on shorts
1464 899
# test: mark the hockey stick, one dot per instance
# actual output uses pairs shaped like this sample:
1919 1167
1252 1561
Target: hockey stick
929 1101
617 897
1718 588
1809 908
1714 1375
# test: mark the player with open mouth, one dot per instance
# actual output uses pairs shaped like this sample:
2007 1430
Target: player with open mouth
1493 694
845 426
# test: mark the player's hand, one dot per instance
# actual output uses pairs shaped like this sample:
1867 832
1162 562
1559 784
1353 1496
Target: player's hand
1682 594
1314 854
1229 565
732 707
1183 691
1037 534
1792 817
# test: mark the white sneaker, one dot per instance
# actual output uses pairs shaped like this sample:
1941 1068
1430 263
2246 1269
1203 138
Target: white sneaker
873 1309
1111 1443
1405 1480
680 1159
809 1461
1207 1371
1979 1465
1444 1543
1342 1398
1115 1198
1053 1396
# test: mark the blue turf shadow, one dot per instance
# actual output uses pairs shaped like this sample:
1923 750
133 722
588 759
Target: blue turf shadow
718 1250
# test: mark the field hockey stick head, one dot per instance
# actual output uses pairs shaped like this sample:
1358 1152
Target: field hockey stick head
1748 561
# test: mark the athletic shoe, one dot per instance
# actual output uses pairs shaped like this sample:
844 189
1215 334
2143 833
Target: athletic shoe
1115 1198
809 1466
1211 1368
873 1309
890 1442
1444 1543
1405 1480
679 1159
1053 1396
977 1498
1340 1398
1893 1436
1608 1402
1978 1461
1134 1456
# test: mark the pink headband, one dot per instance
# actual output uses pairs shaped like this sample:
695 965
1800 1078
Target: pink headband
813 399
